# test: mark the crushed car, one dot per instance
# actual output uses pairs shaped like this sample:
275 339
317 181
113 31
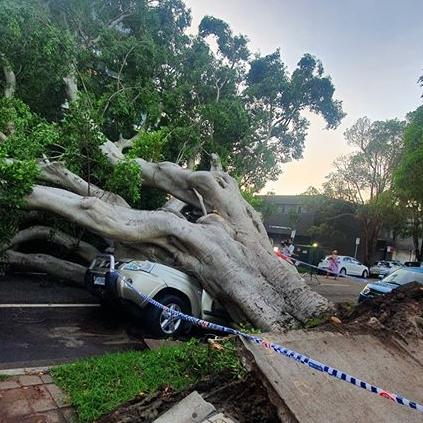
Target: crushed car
167 285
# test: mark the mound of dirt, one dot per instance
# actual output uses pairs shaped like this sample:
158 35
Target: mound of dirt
398 313
245 400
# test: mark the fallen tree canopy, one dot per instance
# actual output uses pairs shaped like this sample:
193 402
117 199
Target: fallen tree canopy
227 249
102 98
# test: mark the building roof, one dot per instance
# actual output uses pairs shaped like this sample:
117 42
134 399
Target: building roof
285 199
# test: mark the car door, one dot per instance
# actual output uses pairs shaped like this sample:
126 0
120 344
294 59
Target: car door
346 264
356 267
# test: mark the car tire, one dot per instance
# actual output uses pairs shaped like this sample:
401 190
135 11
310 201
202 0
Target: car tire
365 274
157 321
343 272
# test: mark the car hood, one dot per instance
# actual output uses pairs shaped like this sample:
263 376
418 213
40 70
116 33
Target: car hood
382 286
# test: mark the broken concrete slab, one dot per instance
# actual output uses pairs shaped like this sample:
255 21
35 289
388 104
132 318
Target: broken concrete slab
306 395
192 409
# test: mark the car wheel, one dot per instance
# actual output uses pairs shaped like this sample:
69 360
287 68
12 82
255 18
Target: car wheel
364 274
160 322
343 272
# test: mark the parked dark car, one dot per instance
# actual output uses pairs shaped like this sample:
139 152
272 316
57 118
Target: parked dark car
389 283
413 264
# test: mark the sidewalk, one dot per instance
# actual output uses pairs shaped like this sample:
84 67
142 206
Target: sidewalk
33 399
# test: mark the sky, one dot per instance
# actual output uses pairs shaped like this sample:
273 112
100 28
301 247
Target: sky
372 49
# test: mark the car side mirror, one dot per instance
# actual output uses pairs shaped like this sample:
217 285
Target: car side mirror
380 276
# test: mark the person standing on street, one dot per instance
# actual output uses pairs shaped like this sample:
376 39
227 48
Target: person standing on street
333 264
288 248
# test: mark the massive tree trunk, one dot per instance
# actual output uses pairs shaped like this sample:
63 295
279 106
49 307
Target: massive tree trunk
227 249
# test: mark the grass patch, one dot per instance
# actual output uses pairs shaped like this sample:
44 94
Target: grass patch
3 377
316 321
98 385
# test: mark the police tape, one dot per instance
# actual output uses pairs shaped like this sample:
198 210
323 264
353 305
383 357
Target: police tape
296 262
279 349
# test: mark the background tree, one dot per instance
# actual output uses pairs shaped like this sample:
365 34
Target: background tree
408 179
95 92
363 177
335 221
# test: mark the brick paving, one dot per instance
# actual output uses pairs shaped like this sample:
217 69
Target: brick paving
33 399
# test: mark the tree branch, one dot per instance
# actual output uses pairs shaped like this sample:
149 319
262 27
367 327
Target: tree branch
216 164
55 267
71 85
10 77
200 199
56 173
220 192
123 143
46 233
118 19
110 221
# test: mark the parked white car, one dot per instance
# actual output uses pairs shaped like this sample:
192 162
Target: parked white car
347 266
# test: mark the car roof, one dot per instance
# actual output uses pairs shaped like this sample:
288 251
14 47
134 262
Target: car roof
414 269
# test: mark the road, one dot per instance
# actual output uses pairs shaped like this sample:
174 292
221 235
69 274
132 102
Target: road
33 335
73 325
341 290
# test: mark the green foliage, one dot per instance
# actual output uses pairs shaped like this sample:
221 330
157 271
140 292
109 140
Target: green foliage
276 101
16 181
81 140
126 181
39 50
408 177
254 200
139 70
14 115
409 174
150 145
28 136
100 384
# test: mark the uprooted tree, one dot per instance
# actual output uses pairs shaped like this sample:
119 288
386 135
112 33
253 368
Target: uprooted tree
109 121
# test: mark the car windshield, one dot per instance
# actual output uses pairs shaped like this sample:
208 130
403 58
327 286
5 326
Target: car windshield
402 277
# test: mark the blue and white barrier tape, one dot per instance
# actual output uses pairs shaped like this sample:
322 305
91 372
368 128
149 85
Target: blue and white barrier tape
279 349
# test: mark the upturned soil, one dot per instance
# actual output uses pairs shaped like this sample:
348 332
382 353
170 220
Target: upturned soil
399 313
244 400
